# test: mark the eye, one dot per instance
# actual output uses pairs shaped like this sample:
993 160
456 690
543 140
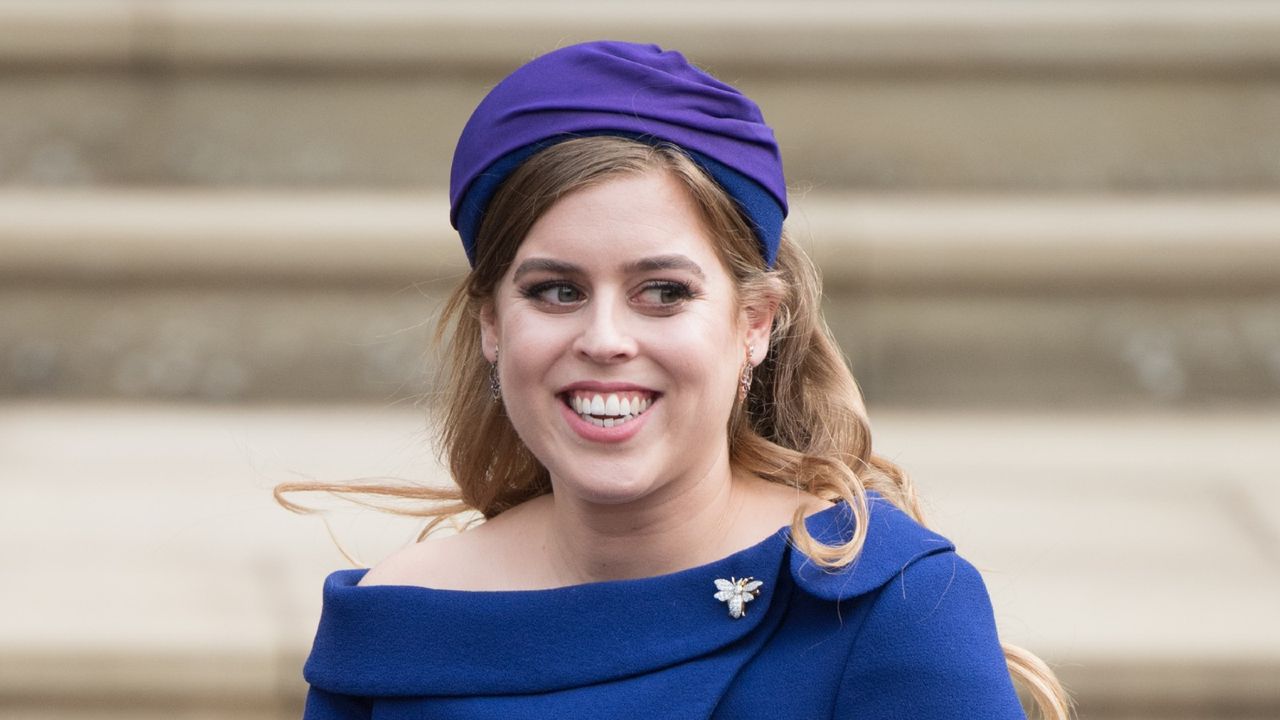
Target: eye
553 293
664 293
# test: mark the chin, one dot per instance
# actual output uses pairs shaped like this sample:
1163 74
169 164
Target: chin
609 486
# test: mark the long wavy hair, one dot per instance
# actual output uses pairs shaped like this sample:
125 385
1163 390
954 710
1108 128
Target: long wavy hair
803 424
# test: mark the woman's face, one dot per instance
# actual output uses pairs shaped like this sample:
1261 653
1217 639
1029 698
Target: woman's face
620 341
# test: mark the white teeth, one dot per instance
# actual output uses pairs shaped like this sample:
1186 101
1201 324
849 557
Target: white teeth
609 410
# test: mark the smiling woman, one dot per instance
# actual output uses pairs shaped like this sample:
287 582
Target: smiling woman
608 301
683 515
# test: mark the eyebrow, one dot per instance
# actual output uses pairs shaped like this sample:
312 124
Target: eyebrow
649 264
665 262
545 265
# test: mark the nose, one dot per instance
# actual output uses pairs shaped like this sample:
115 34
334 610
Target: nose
604 337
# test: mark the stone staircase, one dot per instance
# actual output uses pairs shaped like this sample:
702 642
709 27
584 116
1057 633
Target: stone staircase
1019 208
1057 201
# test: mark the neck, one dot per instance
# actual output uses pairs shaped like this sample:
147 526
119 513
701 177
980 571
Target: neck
681 525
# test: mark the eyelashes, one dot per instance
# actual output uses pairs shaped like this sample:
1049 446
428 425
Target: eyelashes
555 293
668 292
661 295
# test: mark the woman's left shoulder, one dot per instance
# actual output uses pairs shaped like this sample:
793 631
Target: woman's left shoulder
895 542
927 646
921 611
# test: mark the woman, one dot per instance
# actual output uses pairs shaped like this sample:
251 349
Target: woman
683 515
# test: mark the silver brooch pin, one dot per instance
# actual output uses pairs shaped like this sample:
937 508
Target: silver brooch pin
738 593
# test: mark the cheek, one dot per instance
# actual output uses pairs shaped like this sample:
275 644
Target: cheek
700 354
530 346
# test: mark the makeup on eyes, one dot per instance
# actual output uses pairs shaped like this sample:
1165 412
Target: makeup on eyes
671 293
537 292
681 291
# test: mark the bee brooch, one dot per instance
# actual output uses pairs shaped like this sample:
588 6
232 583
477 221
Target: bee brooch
738 593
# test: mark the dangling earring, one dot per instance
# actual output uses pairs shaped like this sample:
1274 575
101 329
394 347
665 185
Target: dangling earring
495 385
744 385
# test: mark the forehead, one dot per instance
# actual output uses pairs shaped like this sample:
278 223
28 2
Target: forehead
620 221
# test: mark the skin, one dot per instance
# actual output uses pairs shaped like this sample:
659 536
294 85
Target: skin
618 282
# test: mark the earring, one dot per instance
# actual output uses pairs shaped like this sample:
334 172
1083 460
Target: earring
744 385
495 385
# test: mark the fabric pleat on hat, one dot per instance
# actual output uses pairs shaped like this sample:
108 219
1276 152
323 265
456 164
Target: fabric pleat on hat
637 91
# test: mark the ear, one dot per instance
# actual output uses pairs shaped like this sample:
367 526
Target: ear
758 321
489 332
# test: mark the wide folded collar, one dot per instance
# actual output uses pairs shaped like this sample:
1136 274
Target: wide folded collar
894 541
402 640
393 640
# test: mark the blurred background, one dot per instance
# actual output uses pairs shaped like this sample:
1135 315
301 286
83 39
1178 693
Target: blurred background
1050 232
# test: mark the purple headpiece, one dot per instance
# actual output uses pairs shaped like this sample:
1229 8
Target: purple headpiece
625 89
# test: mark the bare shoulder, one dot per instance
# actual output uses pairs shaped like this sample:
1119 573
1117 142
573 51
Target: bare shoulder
767 507
426 563
469 560
774 504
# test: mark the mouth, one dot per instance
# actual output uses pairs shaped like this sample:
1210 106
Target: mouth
609 409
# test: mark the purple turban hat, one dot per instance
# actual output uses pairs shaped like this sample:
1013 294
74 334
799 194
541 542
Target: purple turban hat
635 91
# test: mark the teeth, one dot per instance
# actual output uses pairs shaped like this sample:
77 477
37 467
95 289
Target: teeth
609 410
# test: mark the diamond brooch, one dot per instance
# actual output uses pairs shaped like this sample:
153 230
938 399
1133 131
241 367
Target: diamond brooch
738 593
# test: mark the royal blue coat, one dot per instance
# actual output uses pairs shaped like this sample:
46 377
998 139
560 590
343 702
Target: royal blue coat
906 631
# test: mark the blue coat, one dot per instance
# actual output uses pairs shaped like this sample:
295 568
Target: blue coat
906 631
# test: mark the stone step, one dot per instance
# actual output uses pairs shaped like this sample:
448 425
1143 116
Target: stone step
1198 35
158 578
881 241
939 300
920 95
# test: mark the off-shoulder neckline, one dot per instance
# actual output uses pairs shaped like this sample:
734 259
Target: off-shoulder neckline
782 534
396 640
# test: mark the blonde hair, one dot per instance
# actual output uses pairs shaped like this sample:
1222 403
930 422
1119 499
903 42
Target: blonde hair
803 424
